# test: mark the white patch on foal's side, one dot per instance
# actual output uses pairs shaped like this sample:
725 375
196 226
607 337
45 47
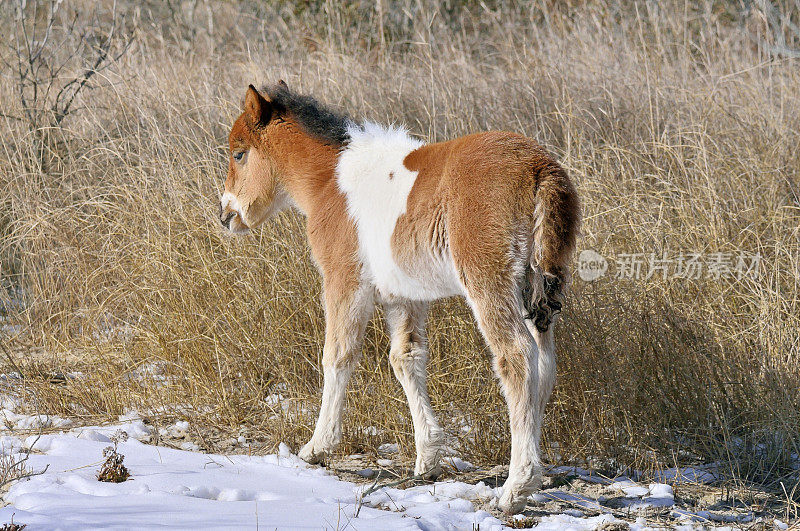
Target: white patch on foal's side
376 184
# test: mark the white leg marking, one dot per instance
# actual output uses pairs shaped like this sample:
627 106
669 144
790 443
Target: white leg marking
524 474
547 363
328 431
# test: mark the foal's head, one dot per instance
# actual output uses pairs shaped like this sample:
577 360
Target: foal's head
253 189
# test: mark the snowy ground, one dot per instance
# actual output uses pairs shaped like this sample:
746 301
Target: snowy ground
191 490
181 489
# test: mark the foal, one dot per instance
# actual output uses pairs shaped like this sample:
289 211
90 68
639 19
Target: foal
390 219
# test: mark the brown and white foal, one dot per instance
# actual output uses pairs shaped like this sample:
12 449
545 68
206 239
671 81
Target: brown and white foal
390 219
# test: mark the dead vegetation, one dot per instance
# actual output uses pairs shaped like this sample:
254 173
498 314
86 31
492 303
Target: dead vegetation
113 470
678 122
14 464
11 526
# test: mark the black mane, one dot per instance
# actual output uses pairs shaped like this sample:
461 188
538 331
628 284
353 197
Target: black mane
315 118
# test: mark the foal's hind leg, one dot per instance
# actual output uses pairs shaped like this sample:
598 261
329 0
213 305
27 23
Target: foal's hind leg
346 317
497 308
547 363
408 356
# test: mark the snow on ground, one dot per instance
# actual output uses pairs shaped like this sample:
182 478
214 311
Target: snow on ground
190 490
186 489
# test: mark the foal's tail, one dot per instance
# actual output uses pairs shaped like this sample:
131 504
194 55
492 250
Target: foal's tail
556 221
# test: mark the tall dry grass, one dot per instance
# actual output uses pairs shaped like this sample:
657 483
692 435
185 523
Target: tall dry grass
677 123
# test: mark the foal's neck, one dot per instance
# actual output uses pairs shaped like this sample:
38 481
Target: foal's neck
307 164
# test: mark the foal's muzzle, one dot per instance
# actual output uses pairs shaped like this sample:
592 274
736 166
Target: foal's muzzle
225 219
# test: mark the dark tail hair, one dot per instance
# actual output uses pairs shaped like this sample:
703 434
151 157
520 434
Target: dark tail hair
556 225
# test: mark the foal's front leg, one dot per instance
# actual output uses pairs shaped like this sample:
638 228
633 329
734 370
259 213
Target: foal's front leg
346 316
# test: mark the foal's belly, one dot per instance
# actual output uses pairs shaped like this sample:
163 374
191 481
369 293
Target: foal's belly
425 279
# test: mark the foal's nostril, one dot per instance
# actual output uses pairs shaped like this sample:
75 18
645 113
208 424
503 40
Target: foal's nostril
226 222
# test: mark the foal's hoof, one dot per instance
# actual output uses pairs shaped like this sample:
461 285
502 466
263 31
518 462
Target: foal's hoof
312 455
512 503
428 472
516 492
429 457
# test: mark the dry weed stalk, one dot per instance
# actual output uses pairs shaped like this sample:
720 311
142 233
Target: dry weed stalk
113 470
13 467
11 526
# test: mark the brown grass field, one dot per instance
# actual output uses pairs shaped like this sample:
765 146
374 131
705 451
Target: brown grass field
678 121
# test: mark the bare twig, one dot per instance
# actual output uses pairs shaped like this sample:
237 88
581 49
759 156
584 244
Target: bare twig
12 469
38 63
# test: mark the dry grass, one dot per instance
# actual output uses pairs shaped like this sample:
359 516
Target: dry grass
680 130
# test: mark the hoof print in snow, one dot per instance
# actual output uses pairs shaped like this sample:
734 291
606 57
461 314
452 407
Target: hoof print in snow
113 471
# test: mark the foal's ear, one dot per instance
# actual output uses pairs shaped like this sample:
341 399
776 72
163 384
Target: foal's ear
256 107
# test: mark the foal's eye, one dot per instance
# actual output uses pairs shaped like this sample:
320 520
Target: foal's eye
237 156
